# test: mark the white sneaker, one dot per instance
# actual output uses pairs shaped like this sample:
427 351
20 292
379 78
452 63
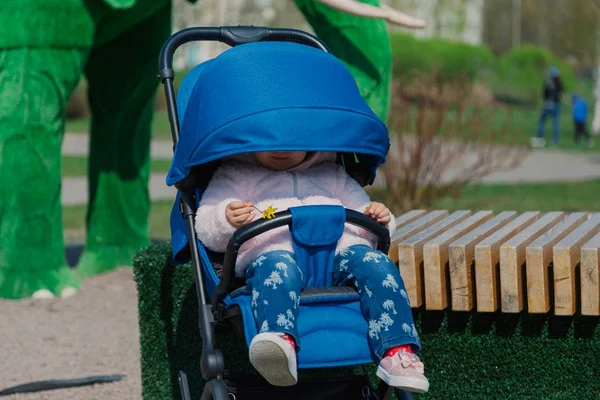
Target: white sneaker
67 292
537 142
42 294
274 358
591 143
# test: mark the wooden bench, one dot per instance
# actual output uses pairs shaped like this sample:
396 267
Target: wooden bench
510 262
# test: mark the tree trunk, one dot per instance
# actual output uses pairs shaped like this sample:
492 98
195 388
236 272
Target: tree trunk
596 122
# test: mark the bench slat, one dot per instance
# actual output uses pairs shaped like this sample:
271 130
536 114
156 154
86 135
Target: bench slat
410 255
590 277
435 259
413 228
538 256
566 256
512 258
461 257
408 217
487 258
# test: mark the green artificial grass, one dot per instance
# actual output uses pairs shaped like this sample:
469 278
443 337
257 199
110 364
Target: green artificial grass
466 355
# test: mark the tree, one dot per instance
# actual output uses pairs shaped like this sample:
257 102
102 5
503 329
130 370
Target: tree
441 141
563 27
596 121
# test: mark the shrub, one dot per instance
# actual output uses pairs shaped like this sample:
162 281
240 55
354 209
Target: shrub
521 72
442 141
448 60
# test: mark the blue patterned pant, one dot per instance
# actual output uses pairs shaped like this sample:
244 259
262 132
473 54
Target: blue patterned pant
275 281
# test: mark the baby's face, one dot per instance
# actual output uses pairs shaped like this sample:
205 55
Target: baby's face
279 160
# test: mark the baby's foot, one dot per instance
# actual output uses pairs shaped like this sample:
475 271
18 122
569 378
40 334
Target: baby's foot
404 371
274 358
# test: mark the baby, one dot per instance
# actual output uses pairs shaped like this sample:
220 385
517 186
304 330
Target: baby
252 182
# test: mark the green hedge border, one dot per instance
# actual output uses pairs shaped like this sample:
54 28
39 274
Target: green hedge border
466 355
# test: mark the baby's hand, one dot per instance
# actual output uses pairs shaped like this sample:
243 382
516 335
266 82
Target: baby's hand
239 213
379 212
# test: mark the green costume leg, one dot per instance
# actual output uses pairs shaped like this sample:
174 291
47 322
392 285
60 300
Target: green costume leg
363 44
122 88
35 84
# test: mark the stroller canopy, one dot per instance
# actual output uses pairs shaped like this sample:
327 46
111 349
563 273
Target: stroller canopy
270 96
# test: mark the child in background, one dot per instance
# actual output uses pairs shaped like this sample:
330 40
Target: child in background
580 112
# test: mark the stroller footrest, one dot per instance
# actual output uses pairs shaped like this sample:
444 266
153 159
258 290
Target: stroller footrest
316 294
328 316
328 294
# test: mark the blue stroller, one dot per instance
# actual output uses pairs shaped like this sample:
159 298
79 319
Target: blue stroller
275 89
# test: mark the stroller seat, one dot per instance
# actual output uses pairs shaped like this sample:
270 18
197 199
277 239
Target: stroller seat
332 329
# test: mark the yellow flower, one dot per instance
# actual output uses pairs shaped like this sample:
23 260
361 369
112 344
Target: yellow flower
269 213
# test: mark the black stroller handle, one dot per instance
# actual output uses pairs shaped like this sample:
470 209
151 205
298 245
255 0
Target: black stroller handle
284 218
231 35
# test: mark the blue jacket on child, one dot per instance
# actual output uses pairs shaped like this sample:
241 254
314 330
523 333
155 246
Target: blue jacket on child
580 108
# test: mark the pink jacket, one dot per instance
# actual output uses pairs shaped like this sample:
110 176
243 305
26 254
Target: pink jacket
322 183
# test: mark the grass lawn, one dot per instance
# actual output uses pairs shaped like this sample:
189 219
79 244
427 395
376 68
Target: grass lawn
74 221
530 197
77 166
583 196
160 125
524 120
524 123
520 123
512 126
522 126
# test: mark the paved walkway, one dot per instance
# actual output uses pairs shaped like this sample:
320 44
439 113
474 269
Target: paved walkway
551 166
539 166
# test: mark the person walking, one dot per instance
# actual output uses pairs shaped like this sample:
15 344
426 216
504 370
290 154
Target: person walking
552 92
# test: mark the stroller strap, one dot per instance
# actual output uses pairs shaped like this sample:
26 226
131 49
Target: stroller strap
315 231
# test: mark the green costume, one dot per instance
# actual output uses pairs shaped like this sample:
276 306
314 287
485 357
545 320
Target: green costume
45 46
363 44
121 73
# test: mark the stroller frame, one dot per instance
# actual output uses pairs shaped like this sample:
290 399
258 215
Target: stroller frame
212 361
